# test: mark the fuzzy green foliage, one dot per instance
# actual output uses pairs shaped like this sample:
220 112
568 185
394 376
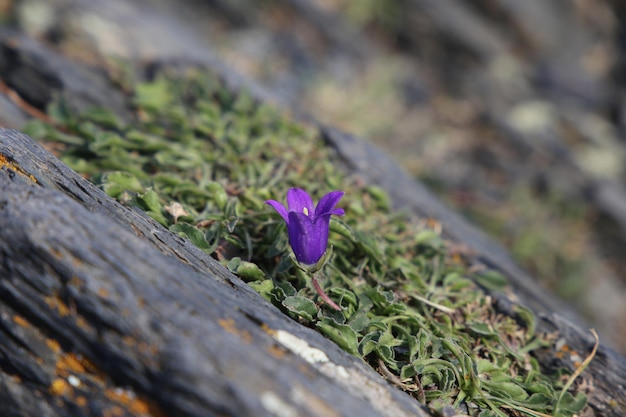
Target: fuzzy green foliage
201 160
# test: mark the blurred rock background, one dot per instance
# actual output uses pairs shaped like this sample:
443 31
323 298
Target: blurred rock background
513 112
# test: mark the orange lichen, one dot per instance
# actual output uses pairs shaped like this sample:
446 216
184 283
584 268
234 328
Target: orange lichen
6 163
20 321
276 351
58 305
563 351
306 370
313 402
115 411
56 253
129 341
150 350
103 292
75 375
71 363
267 329
230 326
128 400
82 323
60 387
65 310
75 280
76 262
53 345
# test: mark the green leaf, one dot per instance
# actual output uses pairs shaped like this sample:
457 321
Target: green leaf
541 387
342 334
429 238
492 280
342 229
368 244
376 324
482 329
359 320
407 372
387 339
369 343
249 271
107 142
380 297
217 194
387 354
571 404
424 340
301 306
284 289
279 245
394 309
413 346
103 117
264 288
145 142
115 183
149 201
153 95
233 264
539 401
61 112
346 297
159 217
380 196
484 366
191 233
510 390
528 317
456 282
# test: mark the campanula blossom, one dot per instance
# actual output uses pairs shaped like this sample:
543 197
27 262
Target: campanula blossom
307 225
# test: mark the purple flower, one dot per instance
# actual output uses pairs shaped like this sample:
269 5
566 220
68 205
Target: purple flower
308 226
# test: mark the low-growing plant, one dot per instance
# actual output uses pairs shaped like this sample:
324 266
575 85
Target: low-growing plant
201 160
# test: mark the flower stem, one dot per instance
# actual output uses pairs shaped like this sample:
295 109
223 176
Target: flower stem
322 294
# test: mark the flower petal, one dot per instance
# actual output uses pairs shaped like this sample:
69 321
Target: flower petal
308 238
280 209
321 226
298 200
328 202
